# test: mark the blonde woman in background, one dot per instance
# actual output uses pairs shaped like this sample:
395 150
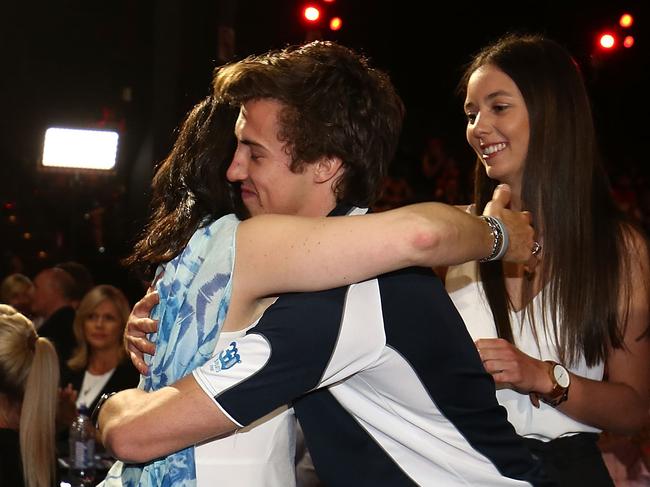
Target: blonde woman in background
29 374
97 364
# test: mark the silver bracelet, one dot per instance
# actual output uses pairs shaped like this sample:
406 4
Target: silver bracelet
501 240
94 417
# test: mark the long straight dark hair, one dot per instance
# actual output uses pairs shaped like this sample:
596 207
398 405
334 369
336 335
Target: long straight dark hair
587 249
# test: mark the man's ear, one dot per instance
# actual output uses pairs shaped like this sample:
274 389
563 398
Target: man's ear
327 168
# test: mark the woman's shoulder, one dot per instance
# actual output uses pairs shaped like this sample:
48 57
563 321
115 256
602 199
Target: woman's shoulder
634 249
634 238
229 221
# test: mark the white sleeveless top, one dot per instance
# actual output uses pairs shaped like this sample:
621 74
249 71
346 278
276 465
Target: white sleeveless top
545 423
263 453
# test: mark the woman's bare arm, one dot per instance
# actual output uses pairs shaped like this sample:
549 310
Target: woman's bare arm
618 404
621 403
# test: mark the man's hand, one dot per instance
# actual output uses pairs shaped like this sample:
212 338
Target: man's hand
519 227
137 327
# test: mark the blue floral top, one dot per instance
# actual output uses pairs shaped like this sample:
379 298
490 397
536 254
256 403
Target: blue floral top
194 295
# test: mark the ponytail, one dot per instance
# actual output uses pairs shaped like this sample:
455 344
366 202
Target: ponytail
29 375
37 430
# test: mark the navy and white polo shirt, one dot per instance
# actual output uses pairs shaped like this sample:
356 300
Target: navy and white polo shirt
386 382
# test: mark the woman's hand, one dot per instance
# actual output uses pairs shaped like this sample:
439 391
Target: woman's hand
137 327
512 368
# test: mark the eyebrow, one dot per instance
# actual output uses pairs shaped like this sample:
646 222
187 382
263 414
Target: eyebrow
251 143
247 141
491 96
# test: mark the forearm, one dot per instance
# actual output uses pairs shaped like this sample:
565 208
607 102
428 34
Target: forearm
276 254
448 235
442 235
136 426
614 407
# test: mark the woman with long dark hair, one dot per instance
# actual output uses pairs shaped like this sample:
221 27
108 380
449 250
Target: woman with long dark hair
566 343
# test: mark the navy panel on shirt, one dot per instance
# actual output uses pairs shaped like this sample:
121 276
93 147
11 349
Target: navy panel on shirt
342 451
431 336
302 327
420 407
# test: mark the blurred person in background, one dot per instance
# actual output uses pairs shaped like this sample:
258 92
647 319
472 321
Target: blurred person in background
98 363
16 290
82 277
29 374
54 303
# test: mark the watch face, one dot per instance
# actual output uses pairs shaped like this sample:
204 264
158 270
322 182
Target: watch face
561 376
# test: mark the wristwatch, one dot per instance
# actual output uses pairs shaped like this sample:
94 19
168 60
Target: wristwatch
94 417
561 381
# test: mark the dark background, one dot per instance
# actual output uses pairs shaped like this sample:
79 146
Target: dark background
139 65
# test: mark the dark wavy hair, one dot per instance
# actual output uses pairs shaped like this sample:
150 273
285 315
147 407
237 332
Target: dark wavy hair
189 188
587 250
336 105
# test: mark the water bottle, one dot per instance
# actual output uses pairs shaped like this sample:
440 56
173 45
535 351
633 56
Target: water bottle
82 449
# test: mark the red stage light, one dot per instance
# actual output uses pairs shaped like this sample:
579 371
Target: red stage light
336 23
628 41
607 41
311 13
626 20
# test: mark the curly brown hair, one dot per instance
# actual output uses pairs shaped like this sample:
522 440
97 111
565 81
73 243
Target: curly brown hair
336 105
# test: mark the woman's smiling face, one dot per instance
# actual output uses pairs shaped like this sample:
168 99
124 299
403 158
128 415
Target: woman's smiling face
498 128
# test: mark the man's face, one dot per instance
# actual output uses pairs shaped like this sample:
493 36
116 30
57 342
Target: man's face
261 164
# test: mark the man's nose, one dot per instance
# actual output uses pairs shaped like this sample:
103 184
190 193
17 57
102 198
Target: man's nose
238 169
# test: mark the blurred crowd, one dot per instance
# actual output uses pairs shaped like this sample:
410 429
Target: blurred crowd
85 321
437 175
63 313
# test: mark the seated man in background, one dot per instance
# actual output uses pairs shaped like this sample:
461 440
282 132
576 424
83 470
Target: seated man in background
54 302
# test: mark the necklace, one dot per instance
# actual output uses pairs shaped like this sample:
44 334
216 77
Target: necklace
91 386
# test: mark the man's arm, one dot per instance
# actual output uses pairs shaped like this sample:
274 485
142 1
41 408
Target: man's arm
137 426
280 253
281 359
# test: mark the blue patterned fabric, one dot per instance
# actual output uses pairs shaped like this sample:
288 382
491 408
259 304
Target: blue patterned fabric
194 296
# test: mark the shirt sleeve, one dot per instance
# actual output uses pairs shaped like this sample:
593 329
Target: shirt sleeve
303 341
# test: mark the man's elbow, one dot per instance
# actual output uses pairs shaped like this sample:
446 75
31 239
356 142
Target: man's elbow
424 240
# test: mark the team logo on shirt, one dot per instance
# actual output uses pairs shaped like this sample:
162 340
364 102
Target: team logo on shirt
226 359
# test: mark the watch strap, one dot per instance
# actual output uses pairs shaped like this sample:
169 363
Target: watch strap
558 394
